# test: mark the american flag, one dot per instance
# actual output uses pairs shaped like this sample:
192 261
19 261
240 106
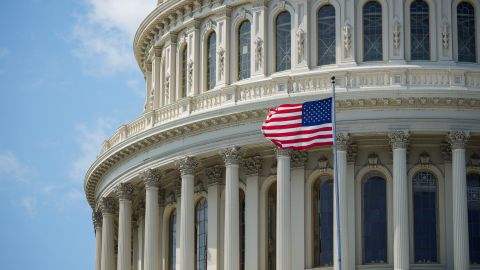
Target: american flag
300 126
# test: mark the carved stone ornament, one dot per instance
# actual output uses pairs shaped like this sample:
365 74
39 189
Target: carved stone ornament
446 150
343 141
210 24
187 165
399 138
167 84
458 139
396 33
199 187
258 53
352 152
273 168
221 61
252 165
445 33
139 207
282 152
323 163
97 218
190 73
151 177
232 155
108 205
177 187
161 197
347 37
298 159
372 160
301 37
170 198
424 159
214 175
474 161
125 191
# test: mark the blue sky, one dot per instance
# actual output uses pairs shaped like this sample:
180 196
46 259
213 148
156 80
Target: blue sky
67 80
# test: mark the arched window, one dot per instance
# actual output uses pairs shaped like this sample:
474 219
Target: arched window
201 225
283 41
372 32
211 60
326 35
323 221
184 71
271 227
466 33
473 199
419 30
375 220
244 38
172 241
425 217
242 229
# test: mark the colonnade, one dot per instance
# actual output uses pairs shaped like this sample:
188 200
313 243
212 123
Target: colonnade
290 236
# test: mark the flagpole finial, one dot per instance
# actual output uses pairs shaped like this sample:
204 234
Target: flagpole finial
333 79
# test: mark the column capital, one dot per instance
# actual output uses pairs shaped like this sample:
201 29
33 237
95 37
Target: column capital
298 158
125 191
214 175
108 205
399 138
151 177
343 141
232 155
252 165
157 51
187 165
97 218
458 139
282 152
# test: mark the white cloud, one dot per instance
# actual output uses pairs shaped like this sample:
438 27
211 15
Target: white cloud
30 205
105 34
89 140
12 169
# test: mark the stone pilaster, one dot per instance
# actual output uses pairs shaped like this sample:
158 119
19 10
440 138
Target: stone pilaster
108 207
97 223
283 210
124 192
461 255
399 142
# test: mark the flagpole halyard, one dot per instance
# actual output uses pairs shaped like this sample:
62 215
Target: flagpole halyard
337 194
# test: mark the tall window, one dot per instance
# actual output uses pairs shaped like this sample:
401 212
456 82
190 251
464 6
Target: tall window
271 226
420 30
201 225
184 71
466 33
283 41
172 241
473 198
323 221
244 50
326 35
375 220
372 32
425 217
242 229
211 60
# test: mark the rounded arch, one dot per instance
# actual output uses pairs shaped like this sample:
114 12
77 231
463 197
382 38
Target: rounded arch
210 31
434 46
454 27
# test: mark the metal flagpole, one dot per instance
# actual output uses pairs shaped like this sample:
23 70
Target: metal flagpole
337 197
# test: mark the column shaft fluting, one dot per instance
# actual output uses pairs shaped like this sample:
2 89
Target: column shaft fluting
97 221
152 220
283 256
343 211
108 246
124 258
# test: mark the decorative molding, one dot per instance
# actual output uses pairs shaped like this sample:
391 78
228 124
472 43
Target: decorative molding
125 191
458 139
170 199
108 205
214 175
200 188
298 159
446 150
347 37
252 165
232 155
282 152
323 164
399 138
221 61
424 159
397 28
258 53
190 73
151 177
187 165
97 218
301 38
373 160
352 153
445 33
343 141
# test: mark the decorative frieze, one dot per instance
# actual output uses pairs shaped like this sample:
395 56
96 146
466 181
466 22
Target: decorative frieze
108 205
252 165
298 159
187 165
399 138
232 155
125 191
458 139
151 177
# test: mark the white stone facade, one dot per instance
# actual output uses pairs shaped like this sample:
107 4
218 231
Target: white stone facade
398 119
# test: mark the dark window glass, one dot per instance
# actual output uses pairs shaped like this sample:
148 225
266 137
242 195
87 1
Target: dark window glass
283 41
184 71
466 33
201 225
211 60
326 35
272 227
244 50
375 220
173 240
323 222
425 217
473 199
372 32
420 30
242 230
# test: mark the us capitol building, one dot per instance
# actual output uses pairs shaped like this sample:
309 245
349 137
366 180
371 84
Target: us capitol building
192 184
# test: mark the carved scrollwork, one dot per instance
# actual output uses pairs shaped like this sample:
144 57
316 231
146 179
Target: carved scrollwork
399 138
424 159
214 175
187 165
190 73
397 27
125 191
343 141
458 138
232 155
252 165
445 33
151 177
323 164
446 150
108 205
474 161
97 218
298 159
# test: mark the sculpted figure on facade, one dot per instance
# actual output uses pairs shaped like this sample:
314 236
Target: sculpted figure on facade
258 53
445 33
301 37
397 27
347 38
221 62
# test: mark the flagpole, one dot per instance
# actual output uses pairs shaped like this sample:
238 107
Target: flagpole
337 197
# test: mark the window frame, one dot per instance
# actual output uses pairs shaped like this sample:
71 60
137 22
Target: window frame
432 16
274 40
454 32
386 39
236 69
206 64
317 31
319 182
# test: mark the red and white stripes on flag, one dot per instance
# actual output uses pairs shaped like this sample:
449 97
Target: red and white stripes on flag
300 126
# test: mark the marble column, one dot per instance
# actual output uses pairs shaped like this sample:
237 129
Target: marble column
135 251
151 179
124 260
140 234
232 157
97 222
399 142
108 206
187 166
297 185
252 167
215 185
461 254
284 253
